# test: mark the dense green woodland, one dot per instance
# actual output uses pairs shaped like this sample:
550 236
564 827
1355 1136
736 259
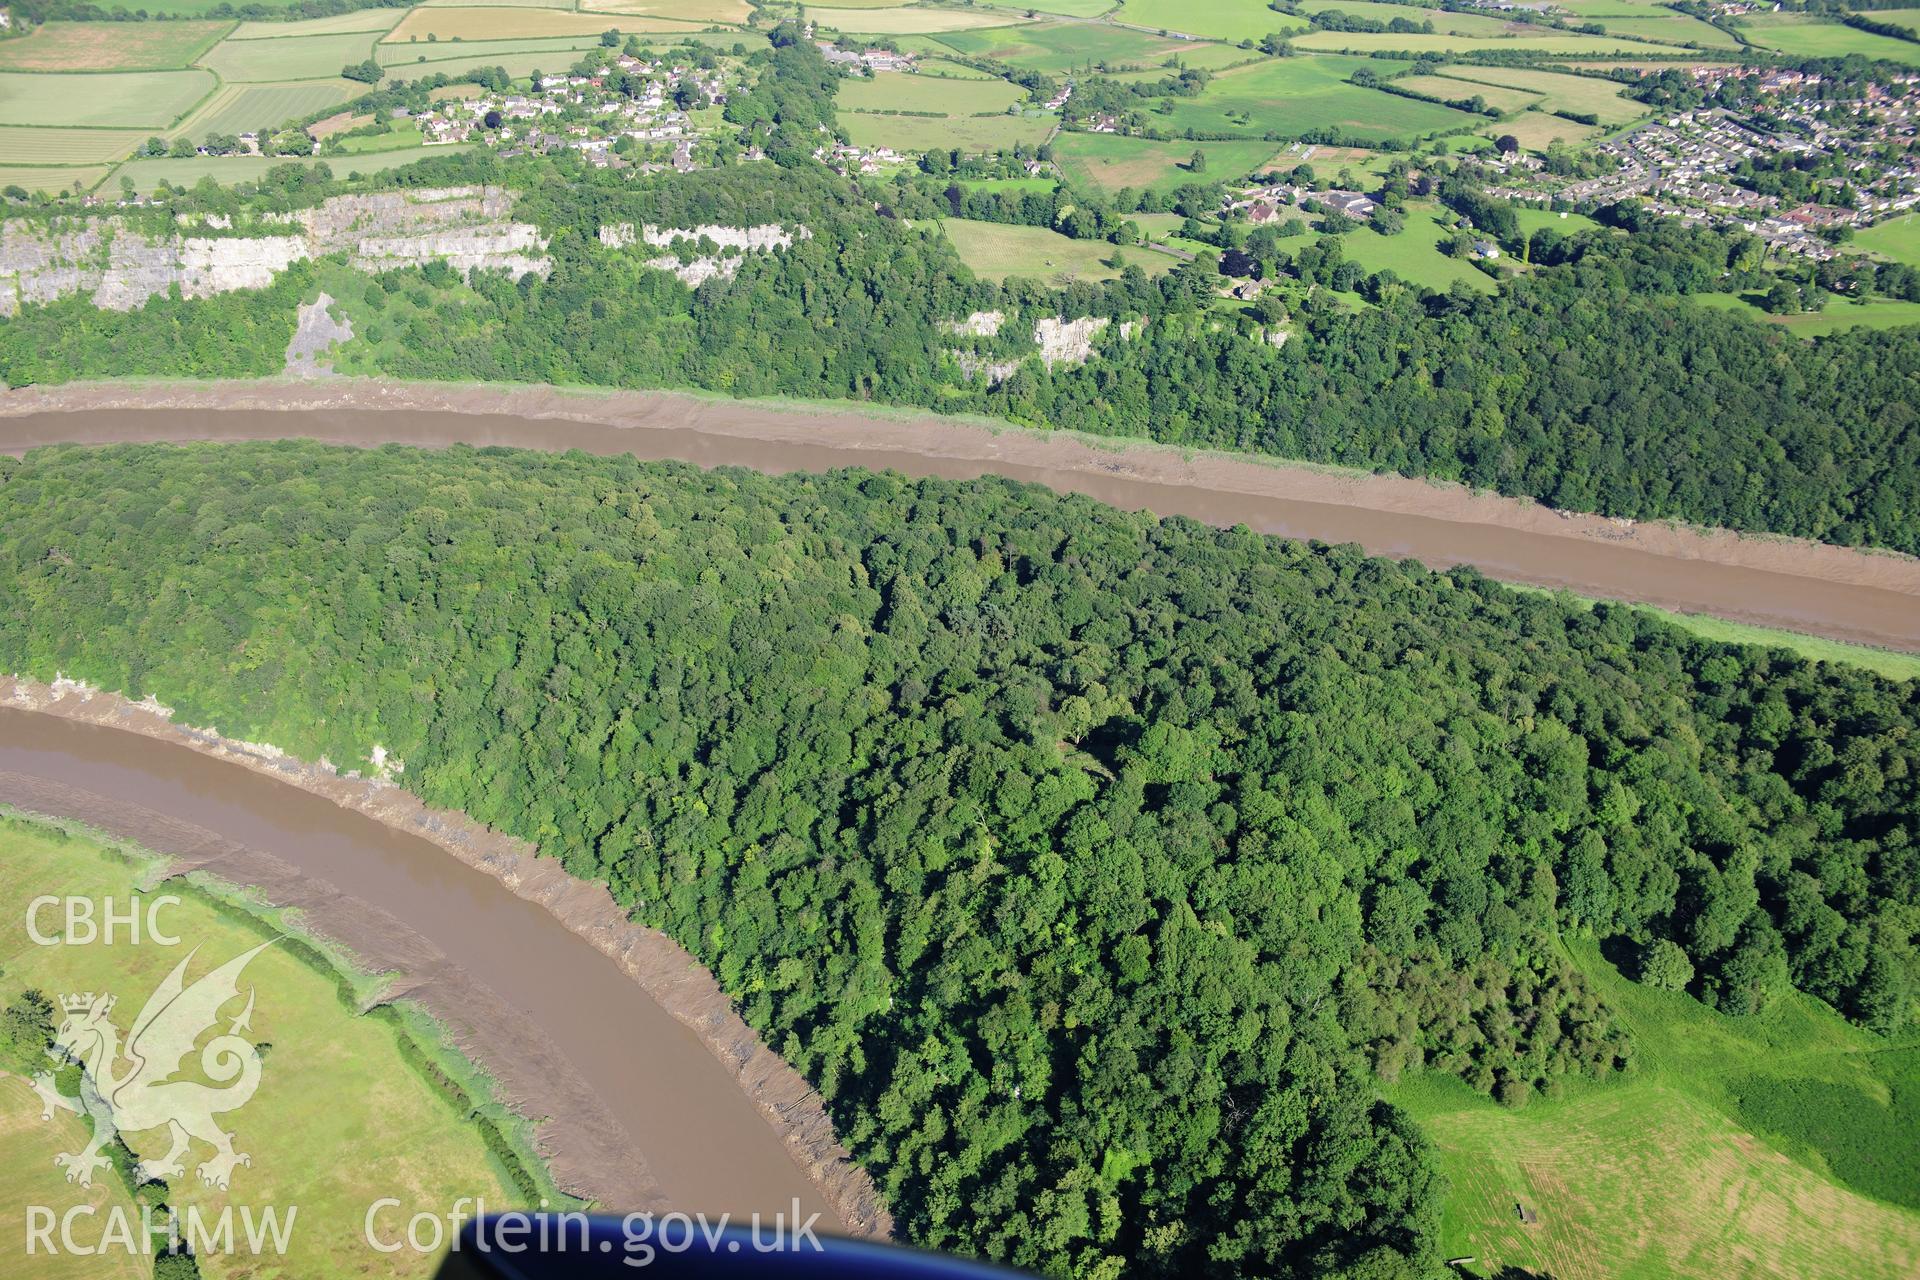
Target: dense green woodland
1090 865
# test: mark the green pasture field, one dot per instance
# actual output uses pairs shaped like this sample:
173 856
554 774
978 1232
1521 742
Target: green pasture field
1873 313
560 51
1217 19
127 99
1896 238
110 46
1445 87
947 67
1057 47
1444 23
968 133
1414 254
1605 100
516 64
248 108
498 4
1908 18
1536 130
1756 1147
1531 220
403 136
1805 36
995 250
1206 56
1110 161
51 177
229 170
378 20
66 146
332 1079
1670 28
896 91
1008 186
911 21
1547 41
1291 96
290 58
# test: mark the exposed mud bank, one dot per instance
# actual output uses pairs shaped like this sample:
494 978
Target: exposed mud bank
594 1138
1864 597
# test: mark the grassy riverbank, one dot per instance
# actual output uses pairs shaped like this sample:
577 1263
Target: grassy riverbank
358 1100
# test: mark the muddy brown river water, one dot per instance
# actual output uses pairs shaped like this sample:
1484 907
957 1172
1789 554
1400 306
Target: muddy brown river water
500 963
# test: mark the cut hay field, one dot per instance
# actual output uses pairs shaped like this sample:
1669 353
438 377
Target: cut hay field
110 46
1729 1152
1071 8
339 24
1292 96
1805 36
1450 90
968 133
1896 238
519 24
51 177
1216 19
127 99
332 1079
910 21
559 50
1414 254
66 146
1588 95
1110 162
30 1145
1537 130
1549 41
996 250
288 58
247 108
893 91
705 12
1059 47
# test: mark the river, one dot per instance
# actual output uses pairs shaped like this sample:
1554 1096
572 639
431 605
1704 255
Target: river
685 1126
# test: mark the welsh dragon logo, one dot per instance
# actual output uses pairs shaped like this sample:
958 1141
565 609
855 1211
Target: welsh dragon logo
128 1088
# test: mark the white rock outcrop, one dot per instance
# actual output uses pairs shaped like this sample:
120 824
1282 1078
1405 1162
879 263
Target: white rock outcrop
120 265
1064 341
695 272
981 324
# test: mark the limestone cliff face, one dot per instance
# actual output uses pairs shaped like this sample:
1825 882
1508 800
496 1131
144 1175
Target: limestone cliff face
121 266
